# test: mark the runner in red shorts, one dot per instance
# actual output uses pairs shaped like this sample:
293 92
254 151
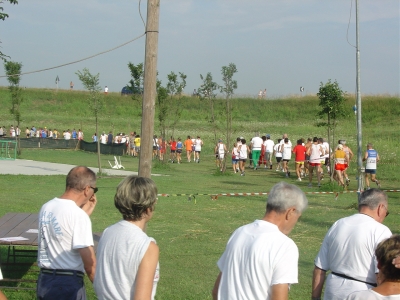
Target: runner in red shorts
315 161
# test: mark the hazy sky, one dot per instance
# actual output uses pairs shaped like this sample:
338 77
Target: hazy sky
279 45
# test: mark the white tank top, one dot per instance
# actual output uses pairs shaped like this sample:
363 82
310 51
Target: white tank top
315 156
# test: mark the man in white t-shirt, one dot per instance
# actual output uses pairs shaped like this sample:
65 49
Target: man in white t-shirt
348 249
260 261
256 144
65 241
269 149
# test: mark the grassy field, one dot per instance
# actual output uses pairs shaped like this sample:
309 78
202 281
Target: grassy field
192 230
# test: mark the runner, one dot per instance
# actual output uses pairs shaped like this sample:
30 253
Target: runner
286 150
244 151
269 150
341 161
197 148
220 150
256 143
372 158
300 155
179 146
188 147
314 152
350 156
278 155
235 158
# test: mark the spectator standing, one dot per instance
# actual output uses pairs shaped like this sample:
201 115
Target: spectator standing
103 138
388 277
106 90
65 250
260 261
74 134
128 265
110 138
94 137
80 135
27 132
137 145
348 249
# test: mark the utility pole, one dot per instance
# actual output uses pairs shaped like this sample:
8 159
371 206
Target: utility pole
149 93
359 131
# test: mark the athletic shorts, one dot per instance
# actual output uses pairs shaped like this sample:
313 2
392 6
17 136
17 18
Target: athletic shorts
300 162
197 151
137 149
173 151
278 159
340 167
179 151
370 171
243 159
155 147
286 160
267 156
307 157
314 164
327 161
132 146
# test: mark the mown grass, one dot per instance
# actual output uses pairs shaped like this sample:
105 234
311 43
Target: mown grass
192 230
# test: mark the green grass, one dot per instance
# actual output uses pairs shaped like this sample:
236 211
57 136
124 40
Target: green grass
192 230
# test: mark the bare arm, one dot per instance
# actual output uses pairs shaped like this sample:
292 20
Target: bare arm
2 296
318 282
89 206
146 272
365 156
280 291
216 287
89 261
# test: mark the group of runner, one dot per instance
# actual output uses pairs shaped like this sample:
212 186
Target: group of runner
311 157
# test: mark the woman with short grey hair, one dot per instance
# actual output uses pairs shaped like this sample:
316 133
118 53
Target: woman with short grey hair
127 259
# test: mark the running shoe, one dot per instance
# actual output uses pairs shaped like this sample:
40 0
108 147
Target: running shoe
288 173
299 179
378 184
309 185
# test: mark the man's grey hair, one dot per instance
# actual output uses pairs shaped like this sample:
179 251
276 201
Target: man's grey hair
283 196
372 198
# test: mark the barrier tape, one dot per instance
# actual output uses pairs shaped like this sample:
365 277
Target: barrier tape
261 194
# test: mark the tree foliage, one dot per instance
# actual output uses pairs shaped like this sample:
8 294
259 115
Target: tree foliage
331 102
207 92
4 16
13 72
228 88
91 83
136 83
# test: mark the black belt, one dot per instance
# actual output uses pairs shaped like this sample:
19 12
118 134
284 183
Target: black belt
351 278
63 272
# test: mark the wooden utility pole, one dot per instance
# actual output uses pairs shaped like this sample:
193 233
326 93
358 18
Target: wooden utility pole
150 92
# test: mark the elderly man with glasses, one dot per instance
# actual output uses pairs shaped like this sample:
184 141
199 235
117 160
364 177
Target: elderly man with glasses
65 242
348 249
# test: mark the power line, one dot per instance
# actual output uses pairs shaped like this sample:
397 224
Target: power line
79 60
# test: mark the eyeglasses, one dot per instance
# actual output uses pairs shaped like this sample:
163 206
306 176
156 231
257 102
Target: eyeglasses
95 189
387 212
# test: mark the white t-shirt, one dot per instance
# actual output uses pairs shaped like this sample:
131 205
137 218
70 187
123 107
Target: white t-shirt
197 145
256 143
348 248
277 150
103 139
63 229
269 144
119 254
256 257
371 295
286 151
242 151
67 135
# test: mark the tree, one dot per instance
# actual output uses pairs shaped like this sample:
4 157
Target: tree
207 91
13 72
91 83
136 83
228 88
331 101
4 16
175 89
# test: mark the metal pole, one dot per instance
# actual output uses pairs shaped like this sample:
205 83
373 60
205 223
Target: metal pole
359 131
149 93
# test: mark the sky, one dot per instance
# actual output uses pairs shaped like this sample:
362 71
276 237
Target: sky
278 45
